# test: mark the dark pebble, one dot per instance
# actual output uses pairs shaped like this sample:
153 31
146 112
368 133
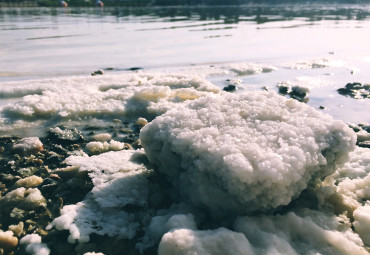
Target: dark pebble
97 72
135 68
230 88
365 144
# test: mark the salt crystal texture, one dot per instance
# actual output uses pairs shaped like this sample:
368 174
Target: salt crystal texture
248 152
119 179
34 246
216 242
29 145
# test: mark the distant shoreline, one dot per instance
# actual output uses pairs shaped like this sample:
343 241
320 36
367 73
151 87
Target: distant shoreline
91 3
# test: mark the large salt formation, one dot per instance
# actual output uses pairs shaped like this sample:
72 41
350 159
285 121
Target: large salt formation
243 153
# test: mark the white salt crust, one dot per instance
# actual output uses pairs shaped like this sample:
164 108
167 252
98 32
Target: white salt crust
33 245
253 151
119 179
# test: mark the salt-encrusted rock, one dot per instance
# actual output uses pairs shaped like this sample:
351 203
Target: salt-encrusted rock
365 144
362 222
67 172
27 199
246 152
141 122
102 137
100 147
65 136
7 240
17 213
17 229
348 187
363 136
29 145
120 179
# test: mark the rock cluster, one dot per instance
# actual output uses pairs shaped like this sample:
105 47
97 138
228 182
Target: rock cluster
296 92
363 134
355 90
35 183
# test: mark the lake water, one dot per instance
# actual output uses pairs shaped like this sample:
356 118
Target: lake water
319 46
50 42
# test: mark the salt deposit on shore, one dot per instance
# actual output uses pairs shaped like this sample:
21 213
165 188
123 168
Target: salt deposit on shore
244 172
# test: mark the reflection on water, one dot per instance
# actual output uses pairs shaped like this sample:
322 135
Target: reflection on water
226 14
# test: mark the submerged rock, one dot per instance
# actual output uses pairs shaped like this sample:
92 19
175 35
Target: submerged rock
240 147
362 133
230 88
299 93
97 72
355 90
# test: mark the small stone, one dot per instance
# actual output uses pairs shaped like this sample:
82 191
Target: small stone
54 177
299 93
135 68
17 229
230 88
365 144
67 172
141 122
283 88
127 146
97 72
363 136
17 213
117 121
29 182
102 137
29 145
8 241
136 144
65 136
24 172
322 107
42 232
